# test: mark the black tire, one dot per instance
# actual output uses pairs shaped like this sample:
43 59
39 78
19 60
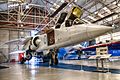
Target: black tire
56 61
23 60
51 63
46 59
50 59
28 55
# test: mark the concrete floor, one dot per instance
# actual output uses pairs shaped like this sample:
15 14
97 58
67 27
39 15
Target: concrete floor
29 72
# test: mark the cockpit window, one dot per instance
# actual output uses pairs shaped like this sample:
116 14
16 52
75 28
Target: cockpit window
75 13
61 19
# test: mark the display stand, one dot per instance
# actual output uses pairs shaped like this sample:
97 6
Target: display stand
81 68
101 56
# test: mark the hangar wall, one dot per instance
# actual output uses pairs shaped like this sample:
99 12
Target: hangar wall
7 35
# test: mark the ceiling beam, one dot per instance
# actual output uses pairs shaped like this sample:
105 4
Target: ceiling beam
105 17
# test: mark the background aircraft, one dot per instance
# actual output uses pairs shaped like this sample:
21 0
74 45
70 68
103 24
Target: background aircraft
113 47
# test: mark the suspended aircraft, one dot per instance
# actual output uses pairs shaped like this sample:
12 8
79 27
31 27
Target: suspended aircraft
69 30
111 44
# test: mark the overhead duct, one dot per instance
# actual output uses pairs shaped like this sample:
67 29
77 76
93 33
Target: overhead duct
22 1
5 6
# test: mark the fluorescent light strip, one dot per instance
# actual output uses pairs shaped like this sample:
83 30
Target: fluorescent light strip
96 12
86 21
92 18
100 15
56 5
114 2
75 0
118 4
52 9
106 9
62 1
13 5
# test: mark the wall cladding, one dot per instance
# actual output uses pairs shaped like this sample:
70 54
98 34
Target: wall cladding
6 35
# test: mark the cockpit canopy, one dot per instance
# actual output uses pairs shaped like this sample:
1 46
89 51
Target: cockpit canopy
74 17
61 19
75 14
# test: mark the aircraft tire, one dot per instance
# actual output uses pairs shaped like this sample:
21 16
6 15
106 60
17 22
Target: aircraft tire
56 61
23 60
50 60
28 55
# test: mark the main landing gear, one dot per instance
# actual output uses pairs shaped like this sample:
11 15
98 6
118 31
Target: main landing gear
53 57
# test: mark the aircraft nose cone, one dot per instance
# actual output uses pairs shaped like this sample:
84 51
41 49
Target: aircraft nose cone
97 30
104 28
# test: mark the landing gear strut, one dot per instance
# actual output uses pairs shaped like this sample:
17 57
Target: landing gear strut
28 57
53 57
22 60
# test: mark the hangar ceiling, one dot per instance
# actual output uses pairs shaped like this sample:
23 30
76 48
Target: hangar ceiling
32 14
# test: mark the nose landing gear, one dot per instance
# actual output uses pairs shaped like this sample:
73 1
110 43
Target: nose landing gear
28 57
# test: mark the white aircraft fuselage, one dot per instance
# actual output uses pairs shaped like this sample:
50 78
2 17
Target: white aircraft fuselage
67 36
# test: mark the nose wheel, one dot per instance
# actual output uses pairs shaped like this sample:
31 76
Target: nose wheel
22 60
28 57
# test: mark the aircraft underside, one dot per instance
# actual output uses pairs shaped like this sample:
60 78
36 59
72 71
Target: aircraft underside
50 57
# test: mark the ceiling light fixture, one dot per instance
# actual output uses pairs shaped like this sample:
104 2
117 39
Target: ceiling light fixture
96 12
100 15
27 6
62 1
118 4
86 21
13 5
52 9
56 5
75 0
114 2
92 18
106 9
